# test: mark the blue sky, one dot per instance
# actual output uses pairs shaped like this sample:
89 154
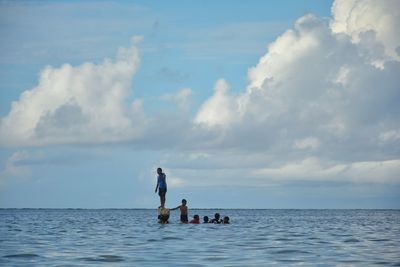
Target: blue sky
261 104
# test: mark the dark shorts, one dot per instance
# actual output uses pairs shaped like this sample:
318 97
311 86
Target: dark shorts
162 191
184 218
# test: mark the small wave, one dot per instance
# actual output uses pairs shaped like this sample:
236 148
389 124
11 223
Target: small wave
380 240
104 258
291 251
283 239
289 261
22 255
215 258
382 263
262 238
351 240
171 238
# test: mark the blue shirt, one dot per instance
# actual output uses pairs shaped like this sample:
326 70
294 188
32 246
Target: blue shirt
161 180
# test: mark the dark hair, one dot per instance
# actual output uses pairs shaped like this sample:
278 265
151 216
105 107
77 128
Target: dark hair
196 216
159 170
184 200
217 215
205 218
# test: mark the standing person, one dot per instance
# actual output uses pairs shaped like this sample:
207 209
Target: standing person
184 211
161 186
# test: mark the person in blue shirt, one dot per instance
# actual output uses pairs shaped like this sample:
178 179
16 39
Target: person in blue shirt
161 186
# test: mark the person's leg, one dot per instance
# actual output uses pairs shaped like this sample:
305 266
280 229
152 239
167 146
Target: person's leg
163 199
161 193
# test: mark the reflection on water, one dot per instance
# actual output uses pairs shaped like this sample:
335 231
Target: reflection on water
254 238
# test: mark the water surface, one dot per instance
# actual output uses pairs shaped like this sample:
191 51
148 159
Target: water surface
30 237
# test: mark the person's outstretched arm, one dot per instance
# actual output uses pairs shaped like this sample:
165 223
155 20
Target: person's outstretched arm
176 208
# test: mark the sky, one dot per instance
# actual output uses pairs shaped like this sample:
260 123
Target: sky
244 104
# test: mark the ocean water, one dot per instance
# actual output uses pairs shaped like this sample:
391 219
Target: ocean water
65 237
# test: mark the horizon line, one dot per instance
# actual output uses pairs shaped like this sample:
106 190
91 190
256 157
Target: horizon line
42 208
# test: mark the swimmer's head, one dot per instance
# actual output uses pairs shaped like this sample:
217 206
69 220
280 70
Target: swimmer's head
205 219
226 220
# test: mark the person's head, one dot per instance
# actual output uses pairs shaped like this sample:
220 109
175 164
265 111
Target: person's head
184 202
205 219
159 170
226 219
216 216
196 217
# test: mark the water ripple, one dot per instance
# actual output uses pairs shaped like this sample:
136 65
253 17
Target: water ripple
104 258
22 255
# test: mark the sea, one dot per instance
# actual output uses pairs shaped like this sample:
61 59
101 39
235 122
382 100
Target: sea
133 237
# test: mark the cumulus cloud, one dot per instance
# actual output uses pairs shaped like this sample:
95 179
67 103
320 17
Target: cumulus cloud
326 90
314 82
370 23
217 110
78 104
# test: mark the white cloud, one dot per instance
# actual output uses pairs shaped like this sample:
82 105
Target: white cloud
313 169
13 168
309 142
175 182
312 82
181 98
370 21
392 135
217 110
77 104
317 104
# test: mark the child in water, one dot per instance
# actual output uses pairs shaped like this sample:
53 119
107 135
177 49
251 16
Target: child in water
196 219
184 211
161 186
216 218
226 220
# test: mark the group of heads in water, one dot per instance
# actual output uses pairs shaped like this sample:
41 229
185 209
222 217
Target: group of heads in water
164 216
217 219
